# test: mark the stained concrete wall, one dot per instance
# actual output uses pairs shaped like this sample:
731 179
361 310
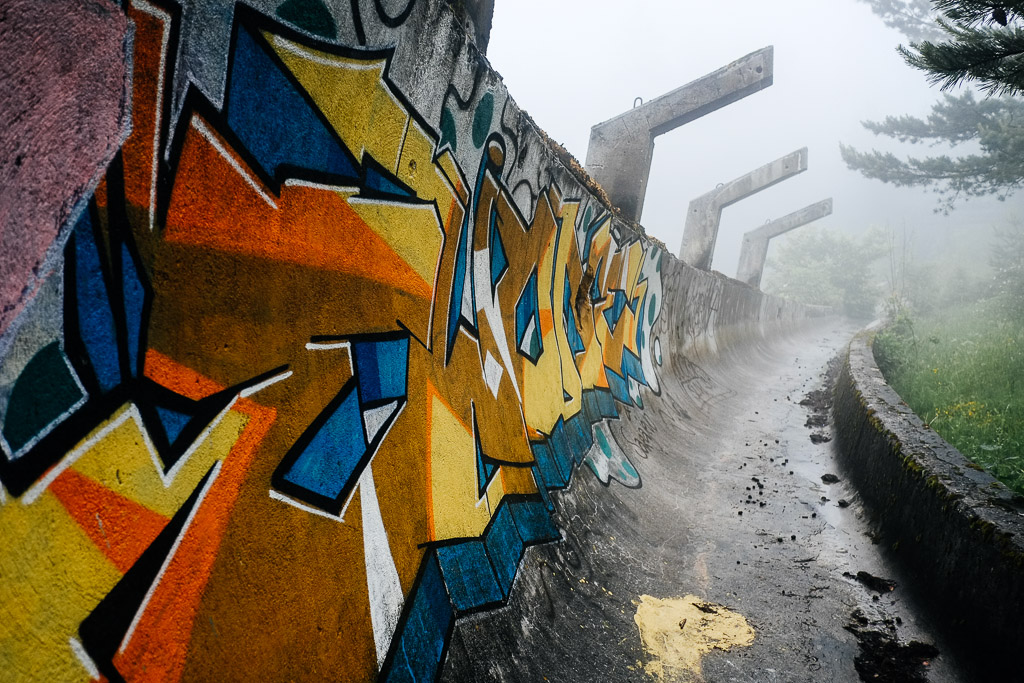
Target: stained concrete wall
287 392
957 533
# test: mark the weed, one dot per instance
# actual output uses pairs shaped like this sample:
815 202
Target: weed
960 370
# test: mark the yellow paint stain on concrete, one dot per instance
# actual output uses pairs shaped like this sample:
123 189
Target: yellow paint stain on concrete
678 632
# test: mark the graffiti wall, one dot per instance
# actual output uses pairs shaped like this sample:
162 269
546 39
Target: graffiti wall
288 389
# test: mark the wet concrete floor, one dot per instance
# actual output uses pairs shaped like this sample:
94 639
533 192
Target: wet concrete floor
731 511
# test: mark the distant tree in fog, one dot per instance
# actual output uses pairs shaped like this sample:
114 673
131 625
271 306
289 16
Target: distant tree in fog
996 125
913 18
828 268
1008 265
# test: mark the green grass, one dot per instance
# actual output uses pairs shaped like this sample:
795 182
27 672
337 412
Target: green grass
962 372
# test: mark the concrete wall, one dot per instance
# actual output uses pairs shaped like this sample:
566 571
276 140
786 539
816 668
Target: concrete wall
956 532
289 371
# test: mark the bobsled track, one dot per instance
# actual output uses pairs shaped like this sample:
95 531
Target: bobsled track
320 361
732 511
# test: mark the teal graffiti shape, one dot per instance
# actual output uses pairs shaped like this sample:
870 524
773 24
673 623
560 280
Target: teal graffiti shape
448 134
607 461
44 391
311 15
482 119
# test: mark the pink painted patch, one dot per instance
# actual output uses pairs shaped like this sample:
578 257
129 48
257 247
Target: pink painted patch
64 112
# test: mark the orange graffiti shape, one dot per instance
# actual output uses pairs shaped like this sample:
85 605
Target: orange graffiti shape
121 528
217 203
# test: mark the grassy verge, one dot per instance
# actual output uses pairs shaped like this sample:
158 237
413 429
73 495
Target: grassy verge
962 372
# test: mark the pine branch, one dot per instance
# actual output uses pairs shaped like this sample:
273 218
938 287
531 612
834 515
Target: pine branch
975 12
953 120
994 59
975 175
912 18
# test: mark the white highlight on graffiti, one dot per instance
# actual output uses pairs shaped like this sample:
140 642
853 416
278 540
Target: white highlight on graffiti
302 506
341 189
528 335
32 495
374 418
170 556
387 430
165 39
319 58
607 459
324 346
281 376
466 309
491 308
401 146
84 659
3 495
385 588
198 124
492 374
654 299
328 346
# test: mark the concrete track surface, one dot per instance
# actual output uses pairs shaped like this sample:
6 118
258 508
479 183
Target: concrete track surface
785 557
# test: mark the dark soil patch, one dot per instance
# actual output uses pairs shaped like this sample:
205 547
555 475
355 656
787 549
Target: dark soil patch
875 583
820 403
883 658
816 420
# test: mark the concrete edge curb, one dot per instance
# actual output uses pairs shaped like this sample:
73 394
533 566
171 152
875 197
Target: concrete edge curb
955 530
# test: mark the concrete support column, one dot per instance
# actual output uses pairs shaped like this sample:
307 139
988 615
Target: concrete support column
621 148
705 212
755 243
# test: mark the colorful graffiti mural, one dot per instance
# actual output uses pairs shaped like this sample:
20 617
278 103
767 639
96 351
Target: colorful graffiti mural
295 392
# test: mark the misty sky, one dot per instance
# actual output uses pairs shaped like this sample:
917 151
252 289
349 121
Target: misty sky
574 63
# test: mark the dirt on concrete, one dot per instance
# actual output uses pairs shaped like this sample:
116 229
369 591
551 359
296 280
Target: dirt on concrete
731 510
883 658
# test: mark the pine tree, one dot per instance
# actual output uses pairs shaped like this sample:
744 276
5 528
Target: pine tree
984 45
995 124
913 18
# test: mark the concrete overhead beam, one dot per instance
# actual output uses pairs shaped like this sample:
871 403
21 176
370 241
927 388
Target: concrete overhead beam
705 212
755 243
621 148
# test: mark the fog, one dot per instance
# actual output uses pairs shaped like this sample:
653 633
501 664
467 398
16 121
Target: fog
572 64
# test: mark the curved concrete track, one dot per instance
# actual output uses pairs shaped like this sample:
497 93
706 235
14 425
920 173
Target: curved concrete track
778 559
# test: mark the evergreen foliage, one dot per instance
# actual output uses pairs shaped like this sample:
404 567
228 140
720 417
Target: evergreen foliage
996 125
913 18
984 45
